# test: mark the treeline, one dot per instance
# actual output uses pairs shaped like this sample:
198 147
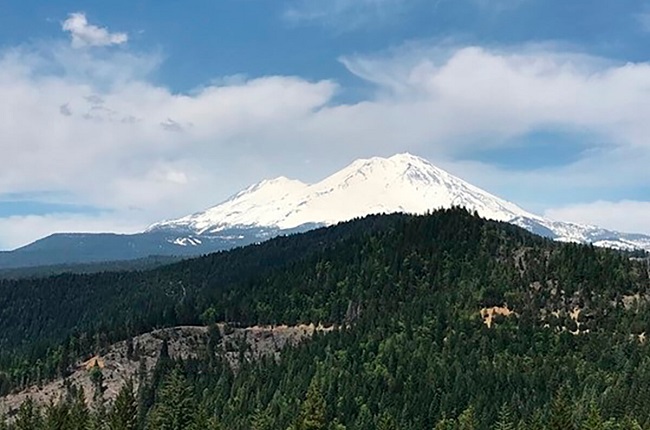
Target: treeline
412 351
107 266
172 399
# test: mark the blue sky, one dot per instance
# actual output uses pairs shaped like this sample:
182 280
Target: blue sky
120 113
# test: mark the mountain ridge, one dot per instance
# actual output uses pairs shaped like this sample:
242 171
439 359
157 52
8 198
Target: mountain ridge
401 183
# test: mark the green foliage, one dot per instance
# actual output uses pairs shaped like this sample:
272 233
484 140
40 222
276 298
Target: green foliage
313 410
388 422
57 416
409 349
29 417
262 420
175 407
594 420
446 424
561 412
505 420
124 413
467 420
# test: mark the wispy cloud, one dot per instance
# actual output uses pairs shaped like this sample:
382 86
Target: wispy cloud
630 216
500 5
644 20
346 14
84 34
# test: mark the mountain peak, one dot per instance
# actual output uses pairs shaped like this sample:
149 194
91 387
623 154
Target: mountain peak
395 162
407 157
400 183
272 187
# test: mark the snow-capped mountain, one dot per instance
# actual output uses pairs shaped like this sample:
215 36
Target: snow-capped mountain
402 183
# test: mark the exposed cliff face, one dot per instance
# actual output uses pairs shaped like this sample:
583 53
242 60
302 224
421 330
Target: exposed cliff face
126 360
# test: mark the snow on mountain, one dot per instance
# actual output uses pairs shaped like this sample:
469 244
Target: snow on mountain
401 183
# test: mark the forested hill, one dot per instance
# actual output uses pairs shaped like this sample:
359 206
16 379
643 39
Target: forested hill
446 319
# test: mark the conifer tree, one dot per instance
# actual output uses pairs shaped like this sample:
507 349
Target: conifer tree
203 420
630 424
312 412
387 422
124 414
174 408
535 422
467 420
446 424
79 414
97 378
28 417
593 420
57 416
262 420
561 416
504 420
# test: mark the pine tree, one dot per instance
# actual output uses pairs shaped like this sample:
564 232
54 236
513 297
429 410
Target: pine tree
97 378
446 424
364 419
79 414
535 422
312 412
203 420
262 420
124 414
28 417
144 394
56 416
630 424
504 420
174 409
593 420
387 422
467 420
561 416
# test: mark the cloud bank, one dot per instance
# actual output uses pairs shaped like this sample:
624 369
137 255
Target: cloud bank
623 215
96 129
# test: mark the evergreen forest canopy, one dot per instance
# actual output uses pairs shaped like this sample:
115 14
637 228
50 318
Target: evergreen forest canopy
412 350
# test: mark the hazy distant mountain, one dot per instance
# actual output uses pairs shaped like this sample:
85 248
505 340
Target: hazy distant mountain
402 183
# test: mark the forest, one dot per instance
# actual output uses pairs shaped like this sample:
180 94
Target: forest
411 349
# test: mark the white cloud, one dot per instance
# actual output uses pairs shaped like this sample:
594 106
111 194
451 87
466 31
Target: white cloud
504 93
128 145
84 34
102 132
626 215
